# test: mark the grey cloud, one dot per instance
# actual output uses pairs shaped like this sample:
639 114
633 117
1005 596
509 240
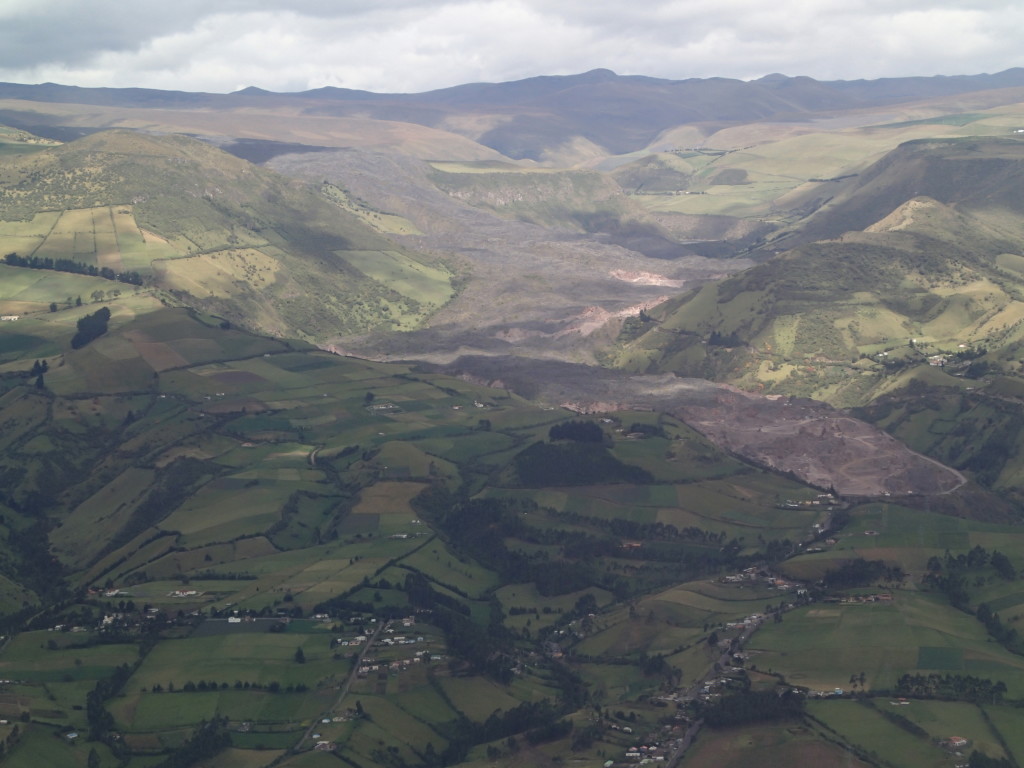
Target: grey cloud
413 45
71 32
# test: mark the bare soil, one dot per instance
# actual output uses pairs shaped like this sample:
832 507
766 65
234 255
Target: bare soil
813 441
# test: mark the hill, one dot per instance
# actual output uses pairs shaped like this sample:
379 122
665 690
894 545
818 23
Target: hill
920 253
217 231
913 301
204 491
973 176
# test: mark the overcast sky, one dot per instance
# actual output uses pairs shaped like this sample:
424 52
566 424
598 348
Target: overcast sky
418 45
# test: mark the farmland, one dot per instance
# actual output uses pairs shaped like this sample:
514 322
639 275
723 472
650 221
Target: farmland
240 484
256 536
222 254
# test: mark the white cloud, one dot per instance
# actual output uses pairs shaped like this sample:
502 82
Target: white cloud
415 45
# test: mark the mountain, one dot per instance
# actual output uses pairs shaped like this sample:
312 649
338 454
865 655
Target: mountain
901 296
531 119
217 232
973 176
919 250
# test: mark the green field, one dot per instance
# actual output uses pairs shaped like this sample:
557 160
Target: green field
222 501
822 646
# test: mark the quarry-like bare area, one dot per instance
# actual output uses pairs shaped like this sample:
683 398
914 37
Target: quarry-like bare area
815 442
818 444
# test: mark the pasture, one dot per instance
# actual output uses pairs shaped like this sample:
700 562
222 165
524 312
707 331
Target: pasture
822 645
107 236
865 725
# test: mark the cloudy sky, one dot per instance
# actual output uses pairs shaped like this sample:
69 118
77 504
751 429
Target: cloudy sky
418 45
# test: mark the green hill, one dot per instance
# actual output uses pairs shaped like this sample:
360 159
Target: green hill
905 279
202 532
912 309
980 176
225 235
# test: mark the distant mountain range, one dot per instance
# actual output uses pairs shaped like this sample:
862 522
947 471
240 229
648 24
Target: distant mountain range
525 119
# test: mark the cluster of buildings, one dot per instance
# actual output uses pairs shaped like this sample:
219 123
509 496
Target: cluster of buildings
825 499
752 620
823 694
392 640
878 597
645 754
658 749
754 576
398 665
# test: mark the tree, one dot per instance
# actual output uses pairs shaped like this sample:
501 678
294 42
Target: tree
91 327
300 656
94 759
53 306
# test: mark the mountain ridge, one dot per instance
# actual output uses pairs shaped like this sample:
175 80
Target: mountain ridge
621 113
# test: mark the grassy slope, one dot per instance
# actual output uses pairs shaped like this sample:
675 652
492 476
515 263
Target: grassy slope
782 171
234 238
815 320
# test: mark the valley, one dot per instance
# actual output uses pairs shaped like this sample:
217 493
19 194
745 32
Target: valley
479 428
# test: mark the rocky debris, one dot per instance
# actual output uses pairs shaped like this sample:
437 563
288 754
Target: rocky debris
528 285
646 278
811 440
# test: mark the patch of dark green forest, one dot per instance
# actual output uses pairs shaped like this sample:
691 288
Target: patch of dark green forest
574 463
72 266
91 327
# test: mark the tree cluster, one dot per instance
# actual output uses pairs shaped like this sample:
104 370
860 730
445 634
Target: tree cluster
981 760
952 687
753 707
101 722
579 431
209 739
860 573
72 266
574 463
212 685
1004 634
91 327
